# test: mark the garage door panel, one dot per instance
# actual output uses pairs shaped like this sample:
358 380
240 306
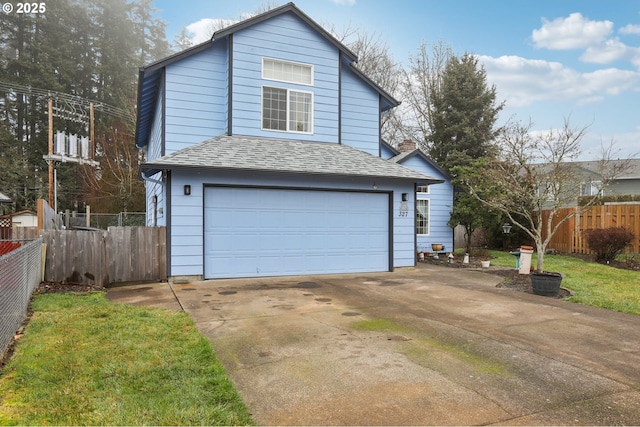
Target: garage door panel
262 232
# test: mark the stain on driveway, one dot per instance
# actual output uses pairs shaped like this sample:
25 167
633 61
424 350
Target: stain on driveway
424 346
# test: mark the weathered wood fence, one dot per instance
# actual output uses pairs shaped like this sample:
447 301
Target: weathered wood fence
120 254
570 238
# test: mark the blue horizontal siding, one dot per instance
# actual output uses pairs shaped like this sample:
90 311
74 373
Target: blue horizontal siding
196 98
360 114
440 205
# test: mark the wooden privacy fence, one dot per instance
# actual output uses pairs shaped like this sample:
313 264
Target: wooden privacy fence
120 254
570 238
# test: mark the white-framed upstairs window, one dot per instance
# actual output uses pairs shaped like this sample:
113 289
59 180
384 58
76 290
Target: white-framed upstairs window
287 110
286 71
424 189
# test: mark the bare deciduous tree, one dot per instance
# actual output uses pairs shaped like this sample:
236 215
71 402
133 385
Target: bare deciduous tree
531 178
420 82
116 185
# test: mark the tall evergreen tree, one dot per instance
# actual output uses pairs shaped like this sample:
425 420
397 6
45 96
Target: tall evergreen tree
150 33
89 49
462 130
464 113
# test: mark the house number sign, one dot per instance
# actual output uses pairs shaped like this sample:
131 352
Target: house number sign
404 205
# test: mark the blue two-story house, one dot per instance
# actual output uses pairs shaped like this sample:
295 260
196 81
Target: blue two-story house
263 156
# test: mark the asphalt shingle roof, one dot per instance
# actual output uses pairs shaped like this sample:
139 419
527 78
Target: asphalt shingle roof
284 156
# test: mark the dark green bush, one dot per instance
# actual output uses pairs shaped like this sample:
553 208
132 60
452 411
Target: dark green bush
608 243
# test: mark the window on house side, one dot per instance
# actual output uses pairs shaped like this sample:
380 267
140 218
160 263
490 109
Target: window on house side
422 216
591 188
284 71
287 110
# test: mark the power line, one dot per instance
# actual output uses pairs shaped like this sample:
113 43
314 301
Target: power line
77 105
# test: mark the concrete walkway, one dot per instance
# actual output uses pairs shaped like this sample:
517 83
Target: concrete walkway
424 346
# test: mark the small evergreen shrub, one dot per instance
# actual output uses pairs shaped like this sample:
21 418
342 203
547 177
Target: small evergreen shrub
608 243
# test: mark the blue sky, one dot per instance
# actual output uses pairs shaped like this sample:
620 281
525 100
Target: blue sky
549 59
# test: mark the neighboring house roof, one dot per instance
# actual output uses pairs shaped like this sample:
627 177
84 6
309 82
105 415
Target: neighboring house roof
24 212
283 156
149 76
631 172
631 168
4 199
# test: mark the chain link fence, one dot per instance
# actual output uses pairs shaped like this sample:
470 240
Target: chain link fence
103 220
20 273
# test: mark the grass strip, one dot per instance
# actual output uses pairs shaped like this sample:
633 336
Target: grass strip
591 283
86 361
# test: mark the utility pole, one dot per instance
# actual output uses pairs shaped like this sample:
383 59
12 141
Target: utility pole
92 152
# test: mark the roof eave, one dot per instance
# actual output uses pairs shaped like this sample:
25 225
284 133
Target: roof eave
177 56
150 169
386 95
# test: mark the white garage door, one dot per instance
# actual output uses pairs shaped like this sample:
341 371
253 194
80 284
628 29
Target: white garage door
270 232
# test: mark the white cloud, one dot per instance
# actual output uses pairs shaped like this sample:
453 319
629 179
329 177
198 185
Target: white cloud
630 29
522 82
623 145
344 2
609 51
573 32
202 30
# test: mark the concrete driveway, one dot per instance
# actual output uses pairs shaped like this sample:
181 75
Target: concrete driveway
424 346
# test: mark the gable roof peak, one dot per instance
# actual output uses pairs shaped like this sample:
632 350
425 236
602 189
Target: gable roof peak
285 8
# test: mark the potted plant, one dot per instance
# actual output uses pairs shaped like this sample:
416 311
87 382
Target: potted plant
546 283
533 178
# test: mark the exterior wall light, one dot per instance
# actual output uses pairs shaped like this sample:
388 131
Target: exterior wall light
187 190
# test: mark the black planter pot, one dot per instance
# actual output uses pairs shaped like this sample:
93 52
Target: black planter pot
546 284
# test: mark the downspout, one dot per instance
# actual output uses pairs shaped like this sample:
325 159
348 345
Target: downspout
230 83
339 99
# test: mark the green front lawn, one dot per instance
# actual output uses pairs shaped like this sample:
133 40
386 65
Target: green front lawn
86 361
591 283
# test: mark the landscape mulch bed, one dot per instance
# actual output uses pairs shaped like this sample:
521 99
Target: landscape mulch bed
53 287
512 278
522 282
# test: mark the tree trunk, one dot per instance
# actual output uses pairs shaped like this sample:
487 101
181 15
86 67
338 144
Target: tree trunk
540 261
